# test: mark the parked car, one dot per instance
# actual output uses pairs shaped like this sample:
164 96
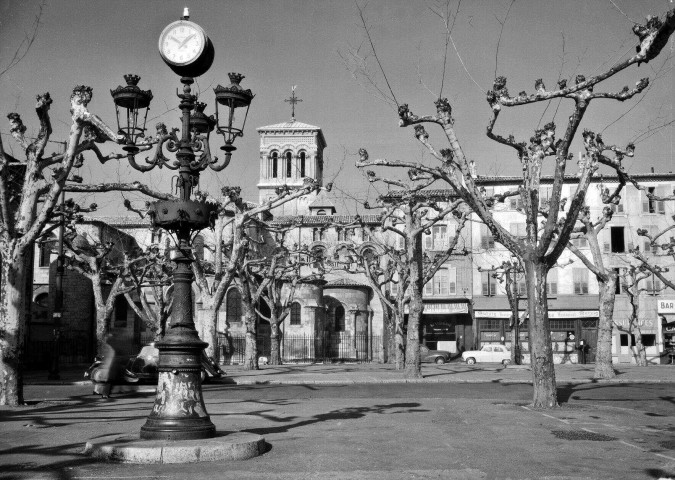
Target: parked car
434 356
488 353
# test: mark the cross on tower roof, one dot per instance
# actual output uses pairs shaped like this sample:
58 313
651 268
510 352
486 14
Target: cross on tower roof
293 100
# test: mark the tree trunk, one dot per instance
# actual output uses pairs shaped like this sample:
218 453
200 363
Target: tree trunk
389 334
210 332
399 344
13 321
541 353
413 364
275 341
251 323
603 351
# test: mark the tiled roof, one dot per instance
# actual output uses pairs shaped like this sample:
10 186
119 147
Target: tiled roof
435 193
288 126
322 200
548 179
310 220
345 282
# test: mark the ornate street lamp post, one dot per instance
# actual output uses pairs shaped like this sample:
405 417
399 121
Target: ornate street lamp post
179 412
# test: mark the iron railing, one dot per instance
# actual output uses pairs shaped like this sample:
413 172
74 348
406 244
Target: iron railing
327 347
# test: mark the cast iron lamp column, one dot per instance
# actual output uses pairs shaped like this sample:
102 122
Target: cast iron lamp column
179 412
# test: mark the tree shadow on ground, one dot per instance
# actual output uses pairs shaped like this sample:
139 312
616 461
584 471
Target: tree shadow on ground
349 413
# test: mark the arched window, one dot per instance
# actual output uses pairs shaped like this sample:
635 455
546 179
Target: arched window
40 311
46 248
275 164
295 313
302 165
198 247
233 306
289 165
321 212
368 254
339 318
318 256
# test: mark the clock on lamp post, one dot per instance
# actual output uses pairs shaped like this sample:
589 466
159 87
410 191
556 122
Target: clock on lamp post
179 412
185 47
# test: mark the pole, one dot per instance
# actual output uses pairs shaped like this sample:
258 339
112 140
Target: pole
516 320
54 373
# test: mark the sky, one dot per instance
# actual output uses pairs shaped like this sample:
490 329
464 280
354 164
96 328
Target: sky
281 43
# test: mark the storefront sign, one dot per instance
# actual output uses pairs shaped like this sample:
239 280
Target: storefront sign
665 305
443 308
551 313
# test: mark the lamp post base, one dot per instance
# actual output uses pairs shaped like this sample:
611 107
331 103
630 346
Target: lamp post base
179 412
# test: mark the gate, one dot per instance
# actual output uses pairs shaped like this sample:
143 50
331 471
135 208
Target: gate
589 334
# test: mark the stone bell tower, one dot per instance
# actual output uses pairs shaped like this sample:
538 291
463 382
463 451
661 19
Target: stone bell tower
289 152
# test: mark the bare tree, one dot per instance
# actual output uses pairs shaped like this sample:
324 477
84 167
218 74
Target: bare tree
541 247
29 191
275 278
408 215
236 221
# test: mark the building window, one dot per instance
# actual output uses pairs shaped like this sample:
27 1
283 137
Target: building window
438 240
552 282
618 208
341 234
648 247
289 165
318 257
302 165
46 247
654 206
580 242
617 243
369 255
365 232
295 314
487 241
580 277
120 320
653 285
318 235
339 318
518 229
489 284
443 283
515 203
275 164
40 313
156 236
198 247
233 310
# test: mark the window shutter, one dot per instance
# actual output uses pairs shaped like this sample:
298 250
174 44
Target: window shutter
485 289
606 247
493 289
491 241
428 287
553 289
645 203
452 281
428 243
577 287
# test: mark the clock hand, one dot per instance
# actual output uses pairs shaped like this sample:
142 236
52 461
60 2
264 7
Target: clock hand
175 39
187 39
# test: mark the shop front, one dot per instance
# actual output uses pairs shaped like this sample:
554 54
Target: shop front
446 326
666 309
571 331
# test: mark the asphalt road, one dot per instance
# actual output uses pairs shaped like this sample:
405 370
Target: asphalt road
437 431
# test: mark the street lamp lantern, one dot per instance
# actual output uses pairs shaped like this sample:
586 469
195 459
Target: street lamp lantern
179 412
231 97
133 102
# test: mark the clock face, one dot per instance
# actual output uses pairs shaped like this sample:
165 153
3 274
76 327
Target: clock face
182 42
